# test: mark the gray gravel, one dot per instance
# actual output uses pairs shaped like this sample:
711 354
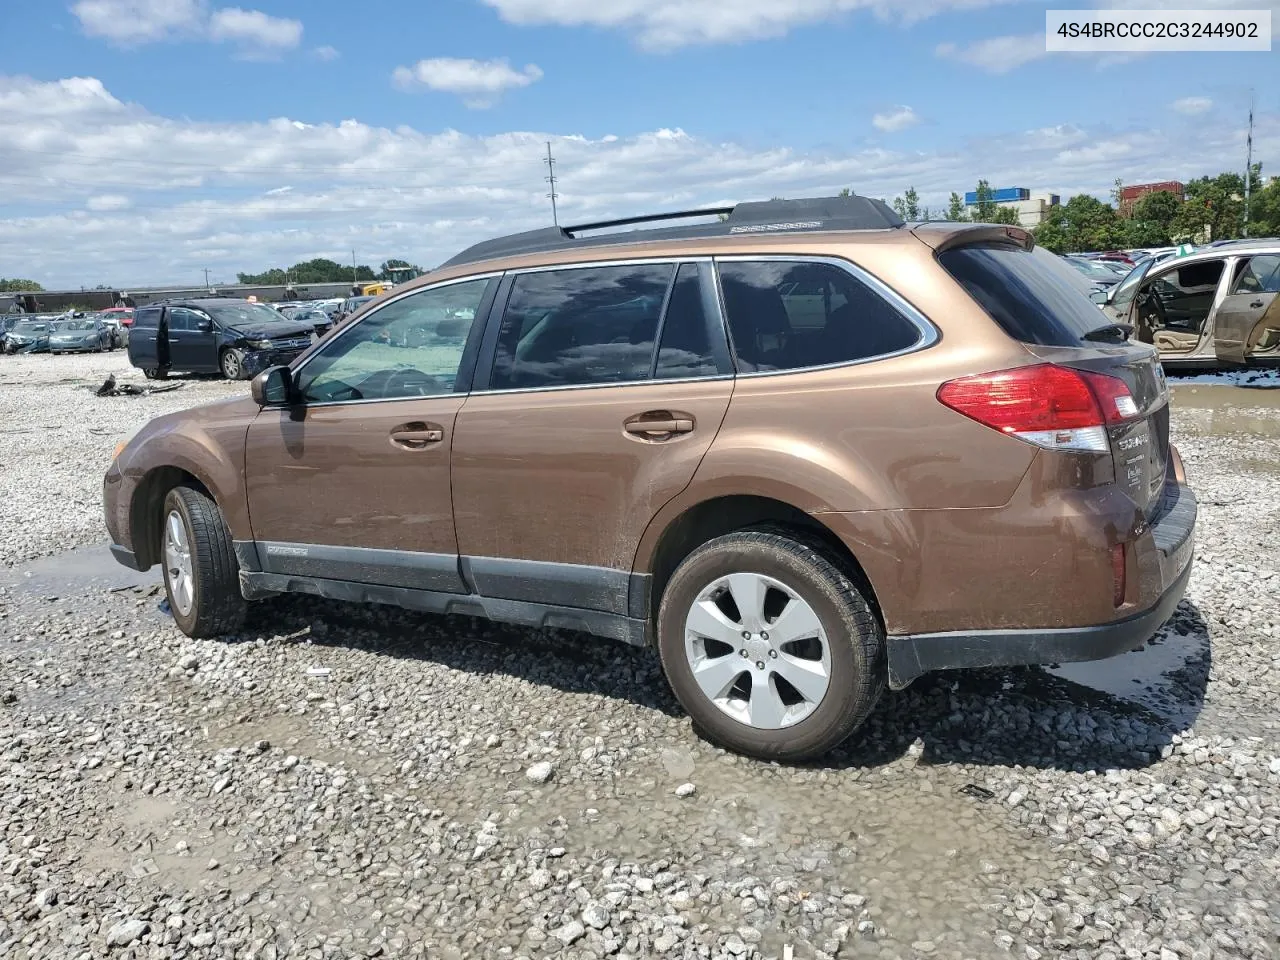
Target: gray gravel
341 781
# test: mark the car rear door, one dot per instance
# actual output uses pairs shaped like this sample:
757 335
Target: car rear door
1248 320
601 387
142 338
352 481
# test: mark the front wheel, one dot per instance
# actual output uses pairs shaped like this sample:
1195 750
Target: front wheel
232 363
201 575
771 648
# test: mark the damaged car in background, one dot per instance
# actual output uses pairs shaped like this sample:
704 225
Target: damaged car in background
236 338
81 335
28 336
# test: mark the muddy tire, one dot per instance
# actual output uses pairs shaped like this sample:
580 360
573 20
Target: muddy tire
201 575
770 646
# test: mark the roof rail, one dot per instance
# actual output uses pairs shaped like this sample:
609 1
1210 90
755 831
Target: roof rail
770 216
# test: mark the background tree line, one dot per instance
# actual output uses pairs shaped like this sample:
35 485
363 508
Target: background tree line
321 270
17 285
1212 210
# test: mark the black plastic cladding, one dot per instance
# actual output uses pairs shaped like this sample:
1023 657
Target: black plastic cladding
768 216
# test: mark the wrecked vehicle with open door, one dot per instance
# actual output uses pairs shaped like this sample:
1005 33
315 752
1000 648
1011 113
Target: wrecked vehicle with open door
1211 308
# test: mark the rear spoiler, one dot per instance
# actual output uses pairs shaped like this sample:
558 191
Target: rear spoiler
943 235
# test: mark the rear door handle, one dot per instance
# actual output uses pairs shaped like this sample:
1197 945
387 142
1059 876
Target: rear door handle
1256 304
658 425
416 436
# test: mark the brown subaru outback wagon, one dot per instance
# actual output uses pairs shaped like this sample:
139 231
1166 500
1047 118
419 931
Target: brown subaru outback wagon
805 450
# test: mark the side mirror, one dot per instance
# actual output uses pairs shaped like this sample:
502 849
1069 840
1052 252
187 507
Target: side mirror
273 387
1099 297
205 326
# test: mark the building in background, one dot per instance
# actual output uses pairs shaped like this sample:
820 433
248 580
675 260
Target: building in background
1131 195
1032 208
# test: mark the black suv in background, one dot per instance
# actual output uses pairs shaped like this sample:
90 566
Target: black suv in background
236 338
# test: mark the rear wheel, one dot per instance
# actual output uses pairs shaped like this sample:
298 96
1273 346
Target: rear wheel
232 363
201 575
771 648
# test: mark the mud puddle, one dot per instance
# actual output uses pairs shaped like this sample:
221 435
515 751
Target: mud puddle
79 571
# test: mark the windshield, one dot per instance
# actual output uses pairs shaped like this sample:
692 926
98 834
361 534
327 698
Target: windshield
1091 269
67 325
31 326
1122 295
242 314
1032 294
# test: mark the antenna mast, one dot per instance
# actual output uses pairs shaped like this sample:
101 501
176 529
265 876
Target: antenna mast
1248 166
551 179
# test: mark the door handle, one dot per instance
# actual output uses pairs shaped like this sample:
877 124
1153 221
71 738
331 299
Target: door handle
416 436
658 425
1256 304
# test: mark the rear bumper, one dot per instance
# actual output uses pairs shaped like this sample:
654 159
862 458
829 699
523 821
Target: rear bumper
1166 557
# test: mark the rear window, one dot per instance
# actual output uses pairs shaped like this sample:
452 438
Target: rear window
1033 295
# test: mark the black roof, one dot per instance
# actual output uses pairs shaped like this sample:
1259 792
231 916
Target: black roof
769 216
200 301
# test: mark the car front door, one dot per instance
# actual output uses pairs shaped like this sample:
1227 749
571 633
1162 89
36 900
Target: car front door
1174 305
191 340
580 430
352 482
1248 321
142 338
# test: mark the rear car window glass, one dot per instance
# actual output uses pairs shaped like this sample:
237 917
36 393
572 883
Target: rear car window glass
411 347
685 348
1032 294
148 318
592 325
1259 275
788 315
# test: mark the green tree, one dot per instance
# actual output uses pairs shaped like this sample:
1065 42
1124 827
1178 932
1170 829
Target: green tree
984 211
319 270
18 285
955 209
907 206
1151 224
1264 210
1082 223
845 192
1215 207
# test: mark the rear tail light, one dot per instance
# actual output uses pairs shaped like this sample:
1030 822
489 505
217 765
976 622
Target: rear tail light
1117 574
1057 408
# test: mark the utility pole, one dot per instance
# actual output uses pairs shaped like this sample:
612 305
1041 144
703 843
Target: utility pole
551 179
354 278
1248 166
206 278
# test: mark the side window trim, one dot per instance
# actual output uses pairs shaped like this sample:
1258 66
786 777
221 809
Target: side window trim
489 347
468 351
662 321
929 333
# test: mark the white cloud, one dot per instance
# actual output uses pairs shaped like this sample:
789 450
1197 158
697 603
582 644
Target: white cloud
133 22
1192 106
666 24
899 118
254 30
205 194
104 202
996 54
479 82
326 53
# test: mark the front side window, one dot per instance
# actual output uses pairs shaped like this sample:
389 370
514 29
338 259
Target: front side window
182 319
789 315
411 347
584 326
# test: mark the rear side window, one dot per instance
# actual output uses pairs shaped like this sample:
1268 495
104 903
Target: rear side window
147 318
593 325
1033 295
1259 275
788 315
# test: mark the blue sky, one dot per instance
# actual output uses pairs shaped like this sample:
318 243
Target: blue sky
148 139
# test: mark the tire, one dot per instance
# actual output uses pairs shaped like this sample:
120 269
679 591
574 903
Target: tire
231 363
202 585
847 645
155 373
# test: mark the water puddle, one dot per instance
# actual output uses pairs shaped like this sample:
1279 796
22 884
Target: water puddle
76 571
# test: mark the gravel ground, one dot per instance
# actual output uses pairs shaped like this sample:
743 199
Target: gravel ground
345 781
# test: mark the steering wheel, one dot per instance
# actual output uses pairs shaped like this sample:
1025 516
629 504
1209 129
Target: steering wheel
408 381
